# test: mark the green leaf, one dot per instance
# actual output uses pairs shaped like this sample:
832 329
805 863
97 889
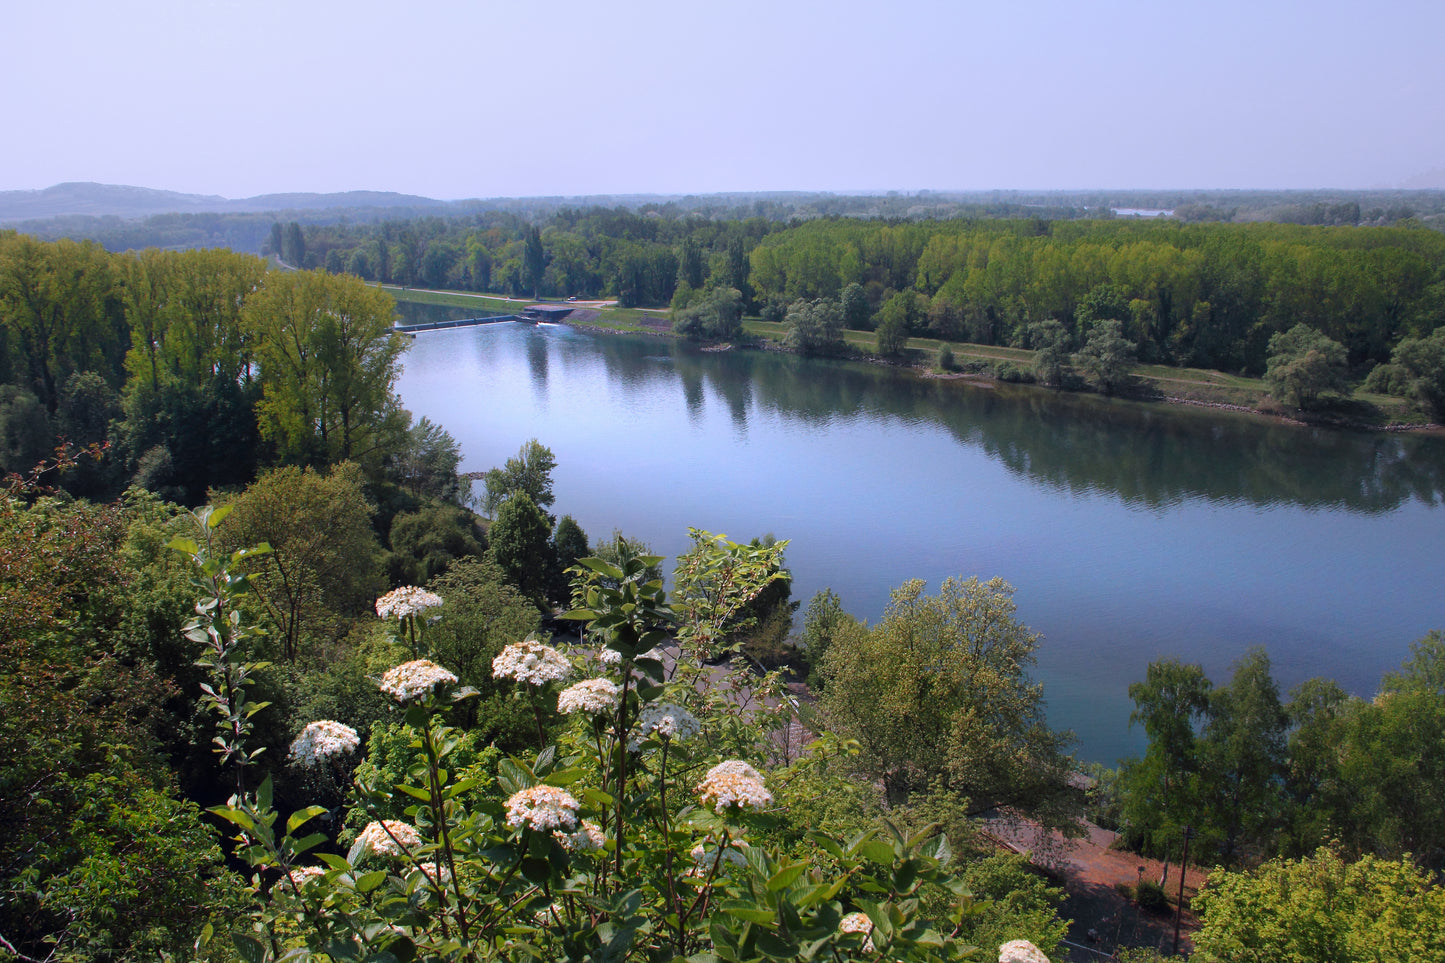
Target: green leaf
187 546
822 893
545 759
414 792
216 516
307 843
770 944
602 568
564 777
784 878
301 816
877 851
249 948
826 844
370 881
233 816
747 911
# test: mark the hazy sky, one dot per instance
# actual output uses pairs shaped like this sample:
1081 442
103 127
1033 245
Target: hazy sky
455 99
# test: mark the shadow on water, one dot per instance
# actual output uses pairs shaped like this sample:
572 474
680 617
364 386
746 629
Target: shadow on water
1146 455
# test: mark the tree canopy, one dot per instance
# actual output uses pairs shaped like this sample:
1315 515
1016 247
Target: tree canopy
938 693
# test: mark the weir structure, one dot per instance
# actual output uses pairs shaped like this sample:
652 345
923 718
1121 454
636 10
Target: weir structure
531 314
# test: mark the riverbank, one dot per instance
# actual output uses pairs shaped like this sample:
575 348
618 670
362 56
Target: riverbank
985 365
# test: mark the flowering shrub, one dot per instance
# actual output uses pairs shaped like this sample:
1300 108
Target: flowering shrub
531 662
542 807
412 680
605 845
591 696
407 604
322 741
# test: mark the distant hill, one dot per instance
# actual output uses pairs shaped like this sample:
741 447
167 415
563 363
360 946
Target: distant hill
113 200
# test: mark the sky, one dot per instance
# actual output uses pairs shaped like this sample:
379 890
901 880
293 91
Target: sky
478 98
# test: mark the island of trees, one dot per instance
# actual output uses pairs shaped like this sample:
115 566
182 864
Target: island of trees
277 682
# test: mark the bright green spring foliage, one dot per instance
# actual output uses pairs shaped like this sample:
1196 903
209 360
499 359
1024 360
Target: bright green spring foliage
641 833
1322 909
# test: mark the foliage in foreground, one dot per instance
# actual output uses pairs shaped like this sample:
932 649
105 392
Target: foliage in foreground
642 832
1322 909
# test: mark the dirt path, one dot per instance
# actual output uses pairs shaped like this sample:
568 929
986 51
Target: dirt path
1089 872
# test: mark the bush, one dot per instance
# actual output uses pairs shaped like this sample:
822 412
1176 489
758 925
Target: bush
1150 896
1012 373
945 357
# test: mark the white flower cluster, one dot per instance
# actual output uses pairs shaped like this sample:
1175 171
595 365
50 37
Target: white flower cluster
858 923
733 783
438 875
668 721
390 837
412 680
542 807
1020 951
591 696
407 600
609 657
321 740
301 875
532 662
588 838
706 856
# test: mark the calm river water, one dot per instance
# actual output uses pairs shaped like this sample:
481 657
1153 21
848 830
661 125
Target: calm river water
1130 532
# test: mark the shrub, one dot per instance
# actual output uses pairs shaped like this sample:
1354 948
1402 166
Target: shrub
1150 895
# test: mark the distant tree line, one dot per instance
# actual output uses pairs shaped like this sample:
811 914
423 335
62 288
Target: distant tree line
1205 295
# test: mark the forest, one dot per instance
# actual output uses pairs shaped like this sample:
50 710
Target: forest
277 682
1206 295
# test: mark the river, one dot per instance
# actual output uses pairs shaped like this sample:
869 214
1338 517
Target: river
1129 531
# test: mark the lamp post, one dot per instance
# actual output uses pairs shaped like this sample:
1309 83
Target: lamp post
1183 871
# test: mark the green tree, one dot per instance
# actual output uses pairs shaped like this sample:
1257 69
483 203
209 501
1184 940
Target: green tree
328 361
853 302
530 472
822 621
569 544
1051 343
1107 356
1423 363
938 693
293 246
1321 909
892 331
1319 713
1244 758
690 265
428 541
427 463
814 327
57 306
1161 790
1303 364
534 262
717 317
324 568
482 611
520 542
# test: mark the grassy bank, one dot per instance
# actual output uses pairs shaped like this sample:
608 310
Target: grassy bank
1158 382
